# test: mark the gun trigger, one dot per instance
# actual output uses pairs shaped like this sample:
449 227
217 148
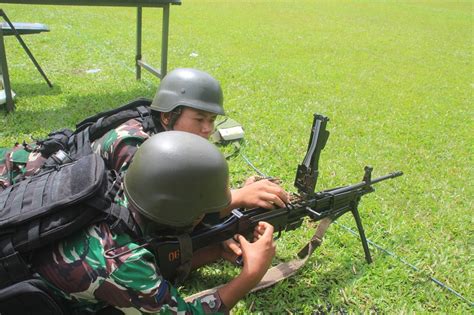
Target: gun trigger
314 213
278 236
239 261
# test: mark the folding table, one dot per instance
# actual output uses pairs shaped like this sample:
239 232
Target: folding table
139 4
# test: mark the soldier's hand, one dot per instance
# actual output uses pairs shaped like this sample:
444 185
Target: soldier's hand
231 250
262 193
258 255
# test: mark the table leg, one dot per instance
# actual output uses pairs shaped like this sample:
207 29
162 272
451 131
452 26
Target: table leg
5 75
139 43
25 48
164 41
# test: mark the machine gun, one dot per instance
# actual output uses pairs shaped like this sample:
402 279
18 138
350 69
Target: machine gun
325 205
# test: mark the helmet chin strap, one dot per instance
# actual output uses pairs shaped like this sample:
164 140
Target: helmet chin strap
174 115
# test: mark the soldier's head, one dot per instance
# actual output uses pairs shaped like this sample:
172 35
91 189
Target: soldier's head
188 100
175 178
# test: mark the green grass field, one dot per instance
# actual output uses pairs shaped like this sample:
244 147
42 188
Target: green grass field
395 78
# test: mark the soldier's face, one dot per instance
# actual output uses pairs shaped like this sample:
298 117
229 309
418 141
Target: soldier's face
195 121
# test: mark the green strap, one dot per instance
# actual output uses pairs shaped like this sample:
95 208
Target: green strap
186 251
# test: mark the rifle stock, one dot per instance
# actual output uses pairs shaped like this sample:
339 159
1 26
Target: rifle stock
331 204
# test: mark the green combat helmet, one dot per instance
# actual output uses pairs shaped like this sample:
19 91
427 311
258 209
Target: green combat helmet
191 88
176 177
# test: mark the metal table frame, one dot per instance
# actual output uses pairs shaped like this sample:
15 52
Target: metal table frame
11 30
139 4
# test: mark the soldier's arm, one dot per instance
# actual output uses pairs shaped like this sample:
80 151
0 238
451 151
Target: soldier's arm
139 285
257 258
263 193
118 146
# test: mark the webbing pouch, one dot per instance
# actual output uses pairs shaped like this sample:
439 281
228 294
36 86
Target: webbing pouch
80 144
56 203
56 140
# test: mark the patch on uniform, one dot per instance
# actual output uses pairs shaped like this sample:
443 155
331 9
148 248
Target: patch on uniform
211 303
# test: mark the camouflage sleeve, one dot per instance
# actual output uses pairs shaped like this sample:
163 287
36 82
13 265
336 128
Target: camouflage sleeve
137 284
18 163
4 174
118 146
121 157
78 270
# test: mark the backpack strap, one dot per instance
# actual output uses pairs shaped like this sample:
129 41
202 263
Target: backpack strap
19 195
107 123
186 255
4 196
121 220
80 144
147 120
12 266
132 105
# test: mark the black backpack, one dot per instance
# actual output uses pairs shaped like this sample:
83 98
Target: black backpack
78 143
43 209
102 122
65 145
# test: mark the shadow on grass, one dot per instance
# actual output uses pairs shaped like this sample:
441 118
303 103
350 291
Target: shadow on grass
85 105
71 110
210 276
28 90
35 89
287 294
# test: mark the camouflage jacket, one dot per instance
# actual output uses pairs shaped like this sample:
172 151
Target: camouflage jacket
77 270
18 162
118 146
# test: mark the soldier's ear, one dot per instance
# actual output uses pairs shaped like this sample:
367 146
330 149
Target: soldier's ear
165 119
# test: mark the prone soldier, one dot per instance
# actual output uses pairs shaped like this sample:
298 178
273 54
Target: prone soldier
187 100
166 198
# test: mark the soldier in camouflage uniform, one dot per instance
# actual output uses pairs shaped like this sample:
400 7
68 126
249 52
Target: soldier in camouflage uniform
187 100
79 268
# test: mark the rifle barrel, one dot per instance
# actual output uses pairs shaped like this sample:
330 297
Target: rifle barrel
391 175
364 184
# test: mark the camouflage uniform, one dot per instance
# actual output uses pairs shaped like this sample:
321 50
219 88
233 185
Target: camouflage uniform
19 162
77 270
118 146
